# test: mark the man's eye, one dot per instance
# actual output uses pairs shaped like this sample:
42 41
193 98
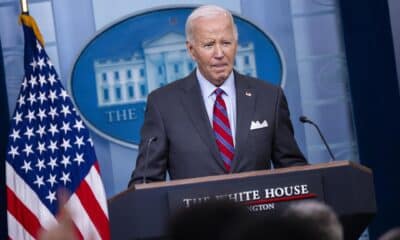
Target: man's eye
208 45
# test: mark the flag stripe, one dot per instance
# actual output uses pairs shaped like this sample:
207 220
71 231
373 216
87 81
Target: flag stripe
22 214
96 165
94 180
15 230
81 219
93 209
28 198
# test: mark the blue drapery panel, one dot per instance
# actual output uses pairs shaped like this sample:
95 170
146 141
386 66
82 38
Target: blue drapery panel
4 118
375 95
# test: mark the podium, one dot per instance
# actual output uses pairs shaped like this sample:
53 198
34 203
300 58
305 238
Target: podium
144 212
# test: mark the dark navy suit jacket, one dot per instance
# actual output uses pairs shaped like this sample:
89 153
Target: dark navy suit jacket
185 145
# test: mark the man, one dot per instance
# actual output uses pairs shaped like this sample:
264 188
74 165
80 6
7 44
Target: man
215 120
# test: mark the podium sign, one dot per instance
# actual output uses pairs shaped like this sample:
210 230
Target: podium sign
346 186
257 193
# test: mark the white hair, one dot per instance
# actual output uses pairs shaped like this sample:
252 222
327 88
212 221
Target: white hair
207 11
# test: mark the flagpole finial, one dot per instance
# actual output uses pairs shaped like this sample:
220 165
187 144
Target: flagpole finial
24 7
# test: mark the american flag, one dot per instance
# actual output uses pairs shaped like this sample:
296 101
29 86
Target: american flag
50 148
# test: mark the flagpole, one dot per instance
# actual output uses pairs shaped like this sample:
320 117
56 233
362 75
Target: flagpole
24 7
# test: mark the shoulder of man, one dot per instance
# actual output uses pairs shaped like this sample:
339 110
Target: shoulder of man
173 89
256 83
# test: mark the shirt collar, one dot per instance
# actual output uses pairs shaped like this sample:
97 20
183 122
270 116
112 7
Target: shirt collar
207 88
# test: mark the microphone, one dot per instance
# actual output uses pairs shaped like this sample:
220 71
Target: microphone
146 157
304 119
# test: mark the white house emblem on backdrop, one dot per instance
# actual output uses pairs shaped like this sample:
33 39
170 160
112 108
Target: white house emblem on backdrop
160 62
125 62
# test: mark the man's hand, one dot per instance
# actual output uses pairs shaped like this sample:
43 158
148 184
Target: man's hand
65 228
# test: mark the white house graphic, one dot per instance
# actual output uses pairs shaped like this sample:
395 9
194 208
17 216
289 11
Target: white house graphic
161 61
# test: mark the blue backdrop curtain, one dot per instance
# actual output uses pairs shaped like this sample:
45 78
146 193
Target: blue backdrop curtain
376 102
4 119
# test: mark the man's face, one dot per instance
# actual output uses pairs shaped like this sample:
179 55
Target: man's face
213 47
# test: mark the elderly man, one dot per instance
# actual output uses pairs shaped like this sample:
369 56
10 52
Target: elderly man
214 121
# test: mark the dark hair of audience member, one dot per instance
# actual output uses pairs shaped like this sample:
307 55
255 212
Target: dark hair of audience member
308 220
317 215
211 220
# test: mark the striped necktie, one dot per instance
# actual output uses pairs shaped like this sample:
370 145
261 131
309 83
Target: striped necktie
222 130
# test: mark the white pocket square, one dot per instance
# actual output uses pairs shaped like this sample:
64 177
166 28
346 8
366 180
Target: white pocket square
256 124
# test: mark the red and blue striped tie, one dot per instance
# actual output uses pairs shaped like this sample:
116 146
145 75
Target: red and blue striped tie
222 130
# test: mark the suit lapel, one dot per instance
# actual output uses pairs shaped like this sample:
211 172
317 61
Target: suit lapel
245 107
192 101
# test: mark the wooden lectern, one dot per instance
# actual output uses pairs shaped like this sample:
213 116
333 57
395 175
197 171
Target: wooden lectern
346 186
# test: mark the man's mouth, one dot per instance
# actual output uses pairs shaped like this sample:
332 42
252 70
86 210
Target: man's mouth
221 66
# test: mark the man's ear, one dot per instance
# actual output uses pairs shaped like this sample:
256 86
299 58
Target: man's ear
189 47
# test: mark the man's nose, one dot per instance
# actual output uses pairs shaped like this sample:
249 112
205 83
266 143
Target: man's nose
219 51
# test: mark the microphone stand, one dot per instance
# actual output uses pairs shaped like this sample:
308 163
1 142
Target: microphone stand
304 119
